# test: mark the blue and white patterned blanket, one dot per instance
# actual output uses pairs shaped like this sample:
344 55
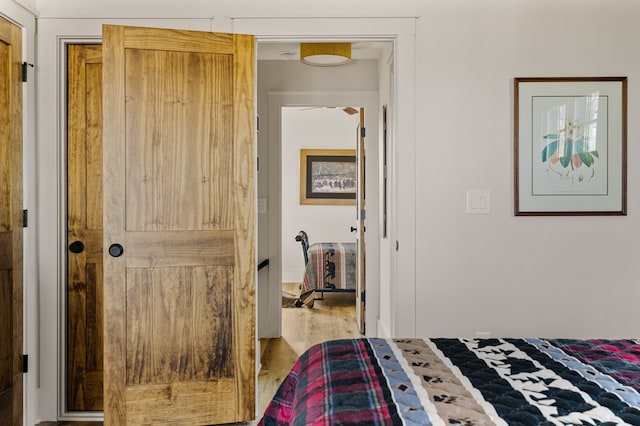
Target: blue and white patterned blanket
462 382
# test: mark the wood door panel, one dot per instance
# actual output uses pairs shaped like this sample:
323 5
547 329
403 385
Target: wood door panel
178 40
85 343
84 336
197 402
179 196
177 247
173 315
93 123
6 350
6 250
11 247
173 188
5 146
94 335
6 326
6 401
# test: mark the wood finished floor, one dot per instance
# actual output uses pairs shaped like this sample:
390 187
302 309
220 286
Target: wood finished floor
331 318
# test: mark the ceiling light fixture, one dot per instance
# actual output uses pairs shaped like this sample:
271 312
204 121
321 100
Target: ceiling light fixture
325 54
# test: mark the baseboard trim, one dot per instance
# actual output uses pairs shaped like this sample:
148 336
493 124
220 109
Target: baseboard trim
382 330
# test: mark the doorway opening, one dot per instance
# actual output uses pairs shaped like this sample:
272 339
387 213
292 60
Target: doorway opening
364 83
327 216
325 130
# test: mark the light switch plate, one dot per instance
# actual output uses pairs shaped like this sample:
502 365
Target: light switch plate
478 202
262 205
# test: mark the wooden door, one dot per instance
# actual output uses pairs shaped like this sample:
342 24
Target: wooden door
84 341
10 224
361 215
179 226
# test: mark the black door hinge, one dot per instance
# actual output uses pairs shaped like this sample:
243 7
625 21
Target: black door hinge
363 132
362 298
25 363
25 67
25 218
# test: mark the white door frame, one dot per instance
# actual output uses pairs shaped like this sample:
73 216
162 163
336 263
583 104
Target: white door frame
401 32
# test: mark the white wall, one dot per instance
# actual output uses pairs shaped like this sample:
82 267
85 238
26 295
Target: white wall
222 9
518 276
321 128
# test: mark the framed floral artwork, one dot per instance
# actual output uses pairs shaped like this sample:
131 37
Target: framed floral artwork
328 176
570 148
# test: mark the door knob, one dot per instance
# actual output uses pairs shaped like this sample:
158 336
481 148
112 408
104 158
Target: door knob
116 250
76 247
354 229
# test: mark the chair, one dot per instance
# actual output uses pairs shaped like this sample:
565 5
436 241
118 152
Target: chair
304 241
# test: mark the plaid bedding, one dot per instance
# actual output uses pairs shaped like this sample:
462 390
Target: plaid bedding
462 382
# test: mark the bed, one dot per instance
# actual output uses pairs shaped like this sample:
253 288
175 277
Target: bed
465 382
331 267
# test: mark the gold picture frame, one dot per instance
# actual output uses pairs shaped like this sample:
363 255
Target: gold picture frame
328 176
